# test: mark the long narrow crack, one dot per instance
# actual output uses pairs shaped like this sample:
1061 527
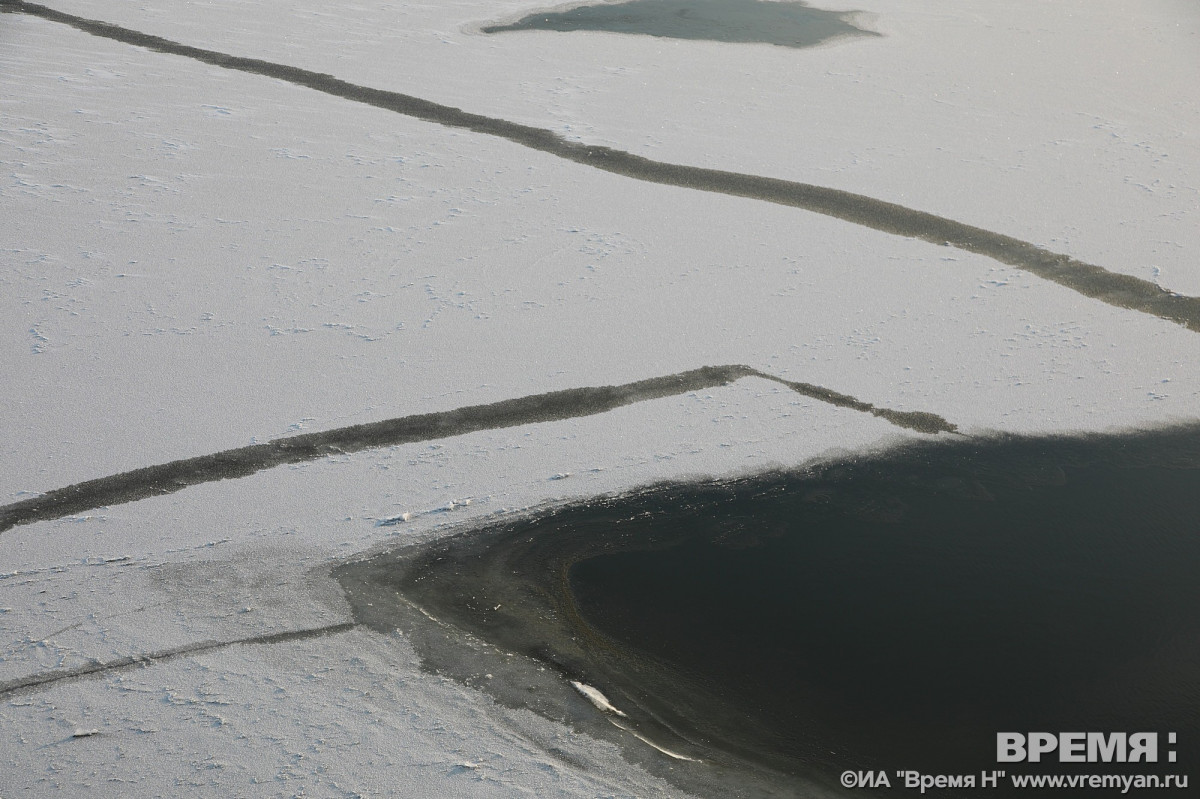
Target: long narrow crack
1120 290
570 403
39 681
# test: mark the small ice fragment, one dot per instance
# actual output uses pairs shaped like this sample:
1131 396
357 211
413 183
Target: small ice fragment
82 733
595 697
650 743
560 476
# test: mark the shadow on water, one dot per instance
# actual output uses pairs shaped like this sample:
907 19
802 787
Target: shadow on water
892 612
787 23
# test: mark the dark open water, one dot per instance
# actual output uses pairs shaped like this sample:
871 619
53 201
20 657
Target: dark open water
897 617
892 612
787 24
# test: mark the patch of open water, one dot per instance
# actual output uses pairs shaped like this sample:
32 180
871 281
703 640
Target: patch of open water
787 23
893 612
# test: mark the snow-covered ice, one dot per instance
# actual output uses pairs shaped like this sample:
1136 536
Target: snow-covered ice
197 259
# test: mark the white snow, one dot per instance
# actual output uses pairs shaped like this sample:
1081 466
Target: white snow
194 259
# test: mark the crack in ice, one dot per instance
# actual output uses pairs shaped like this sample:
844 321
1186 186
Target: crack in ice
1113 288
167 478
38 681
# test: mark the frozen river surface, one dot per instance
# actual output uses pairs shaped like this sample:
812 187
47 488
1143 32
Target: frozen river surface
286 285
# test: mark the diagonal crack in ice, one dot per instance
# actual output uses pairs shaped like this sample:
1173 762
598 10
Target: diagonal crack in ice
167 478
37 681
1113 288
